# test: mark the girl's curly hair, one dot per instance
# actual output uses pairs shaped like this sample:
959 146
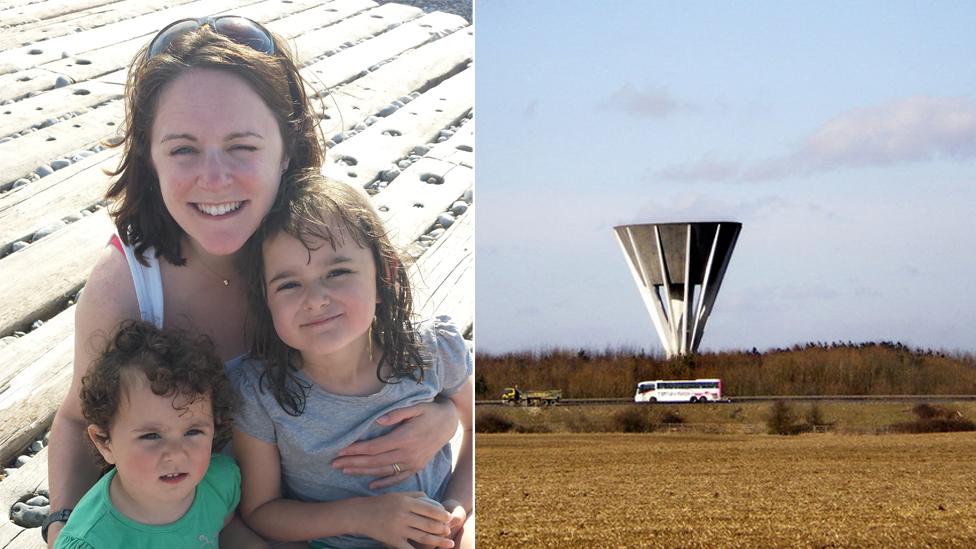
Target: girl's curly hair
305 209
173 361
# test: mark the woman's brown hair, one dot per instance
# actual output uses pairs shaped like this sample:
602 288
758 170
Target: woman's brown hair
140 215
307 209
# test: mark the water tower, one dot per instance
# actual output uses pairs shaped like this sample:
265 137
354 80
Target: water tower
678 268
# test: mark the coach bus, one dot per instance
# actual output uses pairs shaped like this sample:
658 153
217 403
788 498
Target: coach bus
679 390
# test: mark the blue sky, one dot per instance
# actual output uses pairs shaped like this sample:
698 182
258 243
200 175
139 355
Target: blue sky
842 135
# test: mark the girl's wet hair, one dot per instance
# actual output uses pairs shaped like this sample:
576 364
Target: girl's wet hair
140 215
174 362
307 209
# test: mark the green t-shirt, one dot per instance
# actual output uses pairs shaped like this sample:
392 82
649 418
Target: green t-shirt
97 524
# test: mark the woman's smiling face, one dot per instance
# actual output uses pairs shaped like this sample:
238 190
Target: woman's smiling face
218 154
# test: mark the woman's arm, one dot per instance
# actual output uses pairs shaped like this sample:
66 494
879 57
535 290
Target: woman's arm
393 519
461 486
108 298
424 429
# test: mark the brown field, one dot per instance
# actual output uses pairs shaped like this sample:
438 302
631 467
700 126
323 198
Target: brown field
703 490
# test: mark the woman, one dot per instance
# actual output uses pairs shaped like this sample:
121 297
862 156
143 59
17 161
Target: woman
216 116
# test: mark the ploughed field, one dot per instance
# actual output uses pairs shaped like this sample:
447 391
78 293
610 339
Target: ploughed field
704 490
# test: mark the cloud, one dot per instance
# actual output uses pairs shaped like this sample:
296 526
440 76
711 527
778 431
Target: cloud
649 103
910 129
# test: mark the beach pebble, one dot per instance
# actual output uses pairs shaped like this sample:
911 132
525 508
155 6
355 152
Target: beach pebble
390 173
37 501
85 154
436 233
446 219
48 229
36 447
387 110
21 461
404 164
360 126
37 324
71 218
420 150
446 133
404 99
370 120
47 123
44 170
27 516
18 246
459 207
468 196
20 183
60 163
337 137
5 139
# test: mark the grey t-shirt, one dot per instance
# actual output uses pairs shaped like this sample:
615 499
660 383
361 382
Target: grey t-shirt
308 443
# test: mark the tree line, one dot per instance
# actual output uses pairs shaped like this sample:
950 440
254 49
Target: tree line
814 368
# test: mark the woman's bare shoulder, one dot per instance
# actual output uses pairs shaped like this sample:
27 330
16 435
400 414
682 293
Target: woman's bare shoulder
109 295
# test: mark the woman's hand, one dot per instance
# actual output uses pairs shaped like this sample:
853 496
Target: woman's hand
458 515
398 518
424 429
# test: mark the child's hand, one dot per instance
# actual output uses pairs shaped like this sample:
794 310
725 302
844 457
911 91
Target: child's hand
399 518
458 514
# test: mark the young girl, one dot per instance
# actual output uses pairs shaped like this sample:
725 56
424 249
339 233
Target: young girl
337 351
154 401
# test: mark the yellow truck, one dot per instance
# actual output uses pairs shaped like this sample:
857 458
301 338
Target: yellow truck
513 396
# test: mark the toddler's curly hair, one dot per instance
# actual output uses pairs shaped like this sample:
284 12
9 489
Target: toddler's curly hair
174 362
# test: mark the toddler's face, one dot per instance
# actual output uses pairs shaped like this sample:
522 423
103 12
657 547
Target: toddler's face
160 452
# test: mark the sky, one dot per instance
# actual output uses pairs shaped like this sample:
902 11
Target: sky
842 135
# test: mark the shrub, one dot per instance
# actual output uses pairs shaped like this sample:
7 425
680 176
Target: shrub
781 420
671 416
632 420
934 419
490 422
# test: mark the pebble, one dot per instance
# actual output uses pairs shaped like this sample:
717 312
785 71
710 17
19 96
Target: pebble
337 137
18 333
22 460
446 219
36 447
404 99
468 196
18 246
73 217
85 154
370 120
390 174
60 163
404 164
387 110
48 123
85 213
5 139
37 501
37 324
48 229
446 133
20 183
360 127
421 150
28 516
459 207
436 233
44 170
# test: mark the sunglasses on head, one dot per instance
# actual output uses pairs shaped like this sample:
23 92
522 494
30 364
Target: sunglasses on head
239 29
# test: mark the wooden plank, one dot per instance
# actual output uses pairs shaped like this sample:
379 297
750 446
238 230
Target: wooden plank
73 44
33 111
315 43
459 149
81 20
38 280
51 9
359 160
24 154
443 278
410 205
29 479
320 16
67 191
350 63
414 70
35 379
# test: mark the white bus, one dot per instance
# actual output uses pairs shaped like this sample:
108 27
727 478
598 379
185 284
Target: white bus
679 390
